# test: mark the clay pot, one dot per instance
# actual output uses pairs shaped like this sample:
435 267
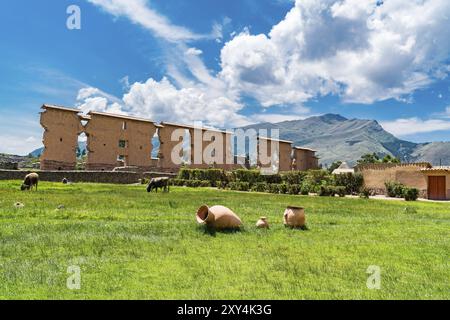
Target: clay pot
218 217
262 223
294 217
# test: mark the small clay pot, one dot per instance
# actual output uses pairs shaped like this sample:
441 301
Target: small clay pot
218 217
294 217
262 223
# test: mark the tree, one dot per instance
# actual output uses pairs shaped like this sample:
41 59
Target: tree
334 166
389 159
369 158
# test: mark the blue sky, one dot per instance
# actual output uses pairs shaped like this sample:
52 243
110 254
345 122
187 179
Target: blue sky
227 63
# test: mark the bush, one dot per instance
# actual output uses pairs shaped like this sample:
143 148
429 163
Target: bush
293 189
353 183
178 182
283 188
260 187
294 177
341 191
274 188
411 194
211 175
240 186
365 193
327 191
243 175
395 189
318 177
306 188
193 183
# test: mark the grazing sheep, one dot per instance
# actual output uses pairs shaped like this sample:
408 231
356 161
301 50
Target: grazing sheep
30 181
157 183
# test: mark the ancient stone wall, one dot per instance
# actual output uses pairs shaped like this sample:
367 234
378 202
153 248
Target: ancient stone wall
285 156
61 130
410 175
115 142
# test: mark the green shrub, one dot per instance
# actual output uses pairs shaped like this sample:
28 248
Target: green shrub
240 186
352 182
205 184
184 174
283 188
327 191
306 188
395 189
211 175
243 175
178 182
294 189
274 188
341 191
271 179
294 177
411 194
193 183
318 177
365 193
260 187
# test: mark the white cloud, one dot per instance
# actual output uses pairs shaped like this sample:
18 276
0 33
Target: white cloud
406 127
360 50
194 52
162 101
94 99
18 144
140 13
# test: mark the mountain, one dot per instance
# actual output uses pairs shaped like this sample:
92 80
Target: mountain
338 138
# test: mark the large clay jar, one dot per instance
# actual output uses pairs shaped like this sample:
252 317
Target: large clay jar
294 217
218 217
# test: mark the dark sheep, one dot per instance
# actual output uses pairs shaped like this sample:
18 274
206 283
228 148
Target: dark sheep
157 183
30 181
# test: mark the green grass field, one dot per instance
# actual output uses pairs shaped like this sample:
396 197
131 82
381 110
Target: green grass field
134 245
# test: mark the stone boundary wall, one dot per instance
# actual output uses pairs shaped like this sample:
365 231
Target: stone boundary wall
84 176
376 176
384 166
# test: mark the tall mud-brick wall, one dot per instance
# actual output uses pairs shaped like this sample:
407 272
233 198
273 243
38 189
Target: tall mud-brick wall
305 159
62 127
114 142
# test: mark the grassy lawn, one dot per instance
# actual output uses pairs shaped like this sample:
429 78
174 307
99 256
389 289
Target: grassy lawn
134 245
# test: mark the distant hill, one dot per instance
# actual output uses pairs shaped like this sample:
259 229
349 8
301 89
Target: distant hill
338 138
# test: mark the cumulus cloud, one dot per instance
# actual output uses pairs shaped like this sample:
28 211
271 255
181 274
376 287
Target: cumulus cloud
94 99
162 101
405 127
364 51
361 51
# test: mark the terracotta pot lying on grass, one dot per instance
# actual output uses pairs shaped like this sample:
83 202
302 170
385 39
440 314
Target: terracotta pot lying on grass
262 223
294 217
218 217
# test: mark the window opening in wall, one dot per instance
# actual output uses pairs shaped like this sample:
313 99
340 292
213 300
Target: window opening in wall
124 125
156 143
123 144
